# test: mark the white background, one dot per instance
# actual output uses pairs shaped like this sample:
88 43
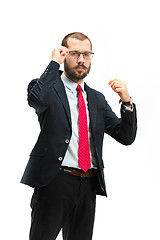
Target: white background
126 42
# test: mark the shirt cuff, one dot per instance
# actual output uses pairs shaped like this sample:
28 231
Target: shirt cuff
125 108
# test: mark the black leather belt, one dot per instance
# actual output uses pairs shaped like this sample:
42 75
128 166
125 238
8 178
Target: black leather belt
79 173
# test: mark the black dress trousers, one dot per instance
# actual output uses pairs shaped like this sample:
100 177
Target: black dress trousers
67 203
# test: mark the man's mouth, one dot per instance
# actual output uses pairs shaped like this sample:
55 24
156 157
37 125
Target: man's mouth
80 68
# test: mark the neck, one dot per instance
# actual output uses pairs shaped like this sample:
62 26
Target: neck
79 81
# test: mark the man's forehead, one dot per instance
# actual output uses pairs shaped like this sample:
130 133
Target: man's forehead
81 45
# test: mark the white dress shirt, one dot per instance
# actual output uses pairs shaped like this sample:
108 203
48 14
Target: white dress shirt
71 156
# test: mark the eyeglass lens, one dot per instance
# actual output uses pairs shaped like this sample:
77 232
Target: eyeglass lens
76 54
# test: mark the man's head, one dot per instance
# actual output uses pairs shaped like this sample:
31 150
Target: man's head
78 62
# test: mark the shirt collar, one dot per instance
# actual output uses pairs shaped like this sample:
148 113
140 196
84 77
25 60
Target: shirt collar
70 84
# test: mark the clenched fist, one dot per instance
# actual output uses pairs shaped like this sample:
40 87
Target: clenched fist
120 88
59 54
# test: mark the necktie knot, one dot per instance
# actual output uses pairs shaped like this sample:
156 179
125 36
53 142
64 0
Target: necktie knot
79 88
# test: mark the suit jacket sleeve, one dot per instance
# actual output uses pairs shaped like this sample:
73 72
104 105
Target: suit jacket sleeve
38 89
121 129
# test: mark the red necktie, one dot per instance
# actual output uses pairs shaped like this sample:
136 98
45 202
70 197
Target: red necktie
83 149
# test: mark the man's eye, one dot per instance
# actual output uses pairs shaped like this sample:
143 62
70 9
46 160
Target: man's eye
87 54
73 53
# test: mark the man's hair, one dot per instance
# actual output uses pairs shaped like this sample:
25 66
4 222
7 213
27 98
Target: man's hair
77 35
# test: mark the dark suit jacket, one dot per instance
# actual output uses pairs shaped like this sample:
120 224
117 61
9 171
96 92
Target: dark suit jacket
47 95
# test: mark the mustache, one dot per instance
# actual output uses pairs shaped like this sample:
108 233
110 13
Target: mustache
82 66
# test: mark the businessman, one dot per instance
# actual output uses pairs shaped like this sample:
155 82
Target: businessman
66 165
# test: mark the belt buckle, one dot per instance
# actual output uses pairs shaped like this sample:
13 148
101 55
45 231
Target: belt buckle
83 174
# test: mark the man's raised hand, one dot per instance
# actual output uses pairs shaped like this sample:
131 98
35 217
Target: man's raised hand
59 54
120 88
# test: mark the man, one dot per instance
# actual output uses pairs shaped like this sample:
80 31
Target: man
65 165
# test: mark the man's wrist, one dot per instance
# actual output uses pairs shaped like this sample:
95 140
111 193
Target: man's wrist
54 60
127 104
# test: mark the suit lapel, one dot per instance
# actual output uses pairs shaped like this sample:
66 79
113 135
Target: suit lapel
60 89
92 107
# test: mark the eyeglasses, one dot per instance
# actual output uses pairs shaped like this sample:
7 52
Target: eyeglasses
76 55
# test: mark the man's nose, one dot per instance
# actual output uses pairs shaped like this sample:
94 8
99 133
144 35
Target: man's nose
80 58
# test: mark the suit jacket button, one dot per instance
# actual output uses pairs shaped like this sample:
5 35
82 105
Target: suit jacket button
60 158
67 141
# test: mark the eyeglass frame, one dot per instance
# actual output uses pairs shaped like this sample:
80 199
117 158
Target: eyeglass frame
79 53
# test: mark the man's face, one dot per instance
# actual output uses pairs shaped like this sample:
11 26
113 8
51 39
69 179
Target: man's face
77 69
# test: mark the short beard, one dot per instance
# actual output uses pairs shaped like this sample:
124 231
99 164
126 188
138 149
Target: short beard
73 75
